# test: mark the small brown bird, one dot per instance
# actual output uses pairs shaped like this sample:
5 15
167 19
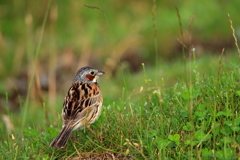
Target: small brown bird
82 105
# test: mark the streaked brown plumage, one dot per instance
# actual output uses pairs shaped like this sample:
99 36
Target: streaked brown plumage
82 104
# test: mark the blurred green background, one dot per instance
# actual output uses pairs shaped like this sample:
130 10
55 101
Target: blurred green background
141 45
119 31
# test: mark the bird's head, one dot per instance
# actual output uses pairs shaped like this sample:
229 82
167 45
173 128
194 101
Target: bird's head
87 75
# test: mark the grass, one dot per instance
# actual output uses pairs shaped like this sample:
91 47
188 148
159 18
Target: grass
179 109
198 121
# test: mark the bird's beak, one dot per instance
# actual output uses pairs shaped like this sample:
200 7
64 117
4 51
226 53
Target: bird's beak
100 73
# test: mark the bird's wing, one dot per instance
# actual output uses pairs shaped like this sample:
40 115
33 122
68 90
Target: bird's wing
81 99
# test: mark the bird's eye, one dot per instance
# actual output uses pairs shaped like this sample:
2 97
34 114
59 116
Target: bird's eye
92 73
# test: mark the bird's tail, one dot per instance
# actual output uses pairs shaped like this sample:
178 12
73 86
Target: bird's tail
61 140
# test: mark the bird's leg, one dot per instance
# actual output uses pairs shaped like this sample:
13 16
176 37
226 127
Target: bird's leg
88 127
99 136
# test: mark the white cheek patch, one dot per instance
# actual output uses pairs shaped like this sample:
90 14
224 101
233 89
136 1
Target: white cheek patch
95 79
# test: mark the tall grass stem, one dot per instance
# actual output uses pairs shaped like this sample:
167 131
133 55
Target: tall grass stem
26 104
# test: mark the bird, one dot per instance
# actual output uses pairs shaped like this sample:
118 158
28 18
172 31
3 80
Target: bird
82 104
